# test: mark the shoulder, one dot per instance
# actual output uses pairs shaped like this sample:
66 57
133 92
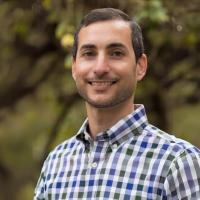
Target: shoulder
61 151
170 143
65 147
51 164
181 160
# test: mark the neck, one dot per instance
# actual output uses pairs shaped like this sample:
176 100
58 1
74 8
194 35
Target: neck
101 119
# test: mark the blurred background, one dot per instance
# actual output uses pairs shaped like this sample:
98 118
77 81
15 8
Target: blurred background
39 106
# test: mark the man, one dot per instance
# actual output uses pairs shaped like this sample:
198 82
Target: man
116 154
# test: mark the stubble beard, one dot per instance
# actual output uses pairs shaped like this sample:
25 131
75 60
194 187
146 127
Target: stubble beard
119 98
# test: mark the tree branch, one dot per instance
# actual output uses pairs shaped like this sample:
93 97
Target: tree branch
17 91
4 171
58 123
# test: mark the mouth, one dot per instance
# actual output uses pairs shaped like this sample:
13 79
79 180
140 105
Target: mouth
102 82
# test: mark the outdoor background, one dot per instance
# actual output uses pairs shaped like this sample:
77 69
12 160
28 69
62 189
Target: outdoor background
39 106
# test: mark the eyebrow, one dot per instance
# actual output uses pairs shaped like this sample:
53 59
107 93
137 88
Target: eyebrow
87 46
116 45
110 46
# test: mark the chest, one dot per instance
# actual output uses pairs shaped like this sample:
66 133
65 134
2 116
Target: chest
103 173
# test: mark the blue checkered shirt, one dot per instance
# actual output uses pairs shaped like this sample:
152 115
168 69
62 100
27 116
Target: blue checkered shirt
131 160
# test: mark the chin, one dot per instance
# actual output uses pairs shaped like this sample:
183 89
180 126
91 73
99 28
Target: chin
105 104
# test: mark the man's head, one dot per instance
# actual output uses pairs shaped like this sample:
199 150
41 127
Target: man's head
105 67
105 14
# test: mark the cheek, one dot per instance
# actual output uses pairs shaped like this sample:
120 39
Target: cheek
128 71
83 68
78 72
130 76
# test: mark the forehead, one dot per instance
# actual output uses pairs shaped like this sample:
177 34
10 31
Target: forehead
105 32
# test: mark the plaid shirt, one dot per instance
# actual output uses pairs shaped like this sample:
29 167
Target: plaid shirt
131 160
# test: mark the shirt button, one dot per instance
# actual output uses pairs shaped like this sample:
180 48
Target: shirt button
94 165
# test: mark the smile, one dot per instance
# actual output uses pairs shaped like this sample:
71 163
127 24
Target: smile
102 82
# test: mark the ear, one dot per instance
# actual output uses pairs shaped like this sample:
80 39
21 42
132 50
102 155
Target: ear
74 69
141 67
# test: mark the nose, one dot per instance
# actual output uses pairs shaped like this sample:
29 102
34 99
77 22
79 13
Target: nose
101 66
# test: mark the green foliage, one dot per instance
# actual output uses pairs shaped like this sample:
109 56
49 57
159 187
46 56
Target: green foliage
153 11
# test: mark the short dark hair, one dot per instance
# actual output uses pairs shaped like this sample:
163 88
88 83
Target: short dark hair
104 14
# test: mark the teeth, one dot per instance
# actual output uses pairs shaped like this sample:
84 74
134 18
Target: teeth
101 82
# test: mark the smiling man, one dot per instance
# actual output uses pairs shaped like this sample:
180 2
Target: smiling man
116 154
106 72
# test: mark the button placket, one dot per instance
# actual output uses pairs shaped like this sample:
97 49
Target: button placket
98 150
114 146
94 165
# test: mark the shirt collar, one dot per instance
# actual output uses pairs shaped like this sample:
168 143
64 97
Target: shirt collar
128 127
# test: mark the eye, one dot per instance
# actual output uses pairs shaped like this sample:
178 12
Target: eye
116 53
88 53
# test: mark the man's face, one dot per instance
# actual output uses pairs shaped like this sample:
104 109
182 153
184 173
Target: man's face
105 69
